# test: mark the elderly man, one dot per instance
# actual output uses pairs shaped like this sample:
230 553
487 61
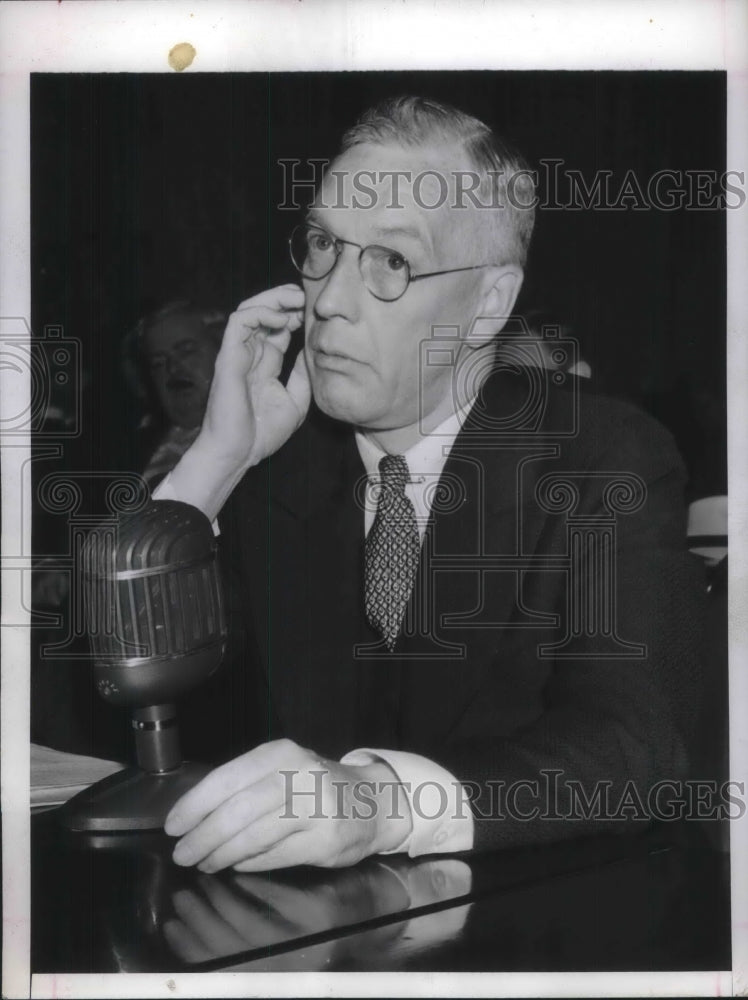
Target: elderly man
462 604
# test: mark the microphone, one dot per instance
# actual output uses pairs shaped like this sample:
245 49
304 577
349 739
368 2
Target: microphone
154 612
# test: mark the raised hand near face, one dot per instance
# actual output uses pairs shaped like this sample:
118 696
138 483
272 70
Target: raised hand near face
250 413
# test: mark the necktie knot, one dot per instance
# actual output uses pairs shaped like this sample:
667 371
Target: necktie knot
394 474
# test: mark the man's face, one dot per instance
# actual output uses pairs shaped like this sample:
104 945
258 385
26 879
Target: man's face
364 355
181 358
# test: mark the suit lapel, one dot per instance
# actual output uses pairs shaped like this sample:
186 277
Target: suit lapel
309 585
475 614
480 512
314 619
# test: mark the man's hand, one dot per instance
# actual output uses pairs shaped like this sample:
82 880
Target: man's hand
281 805
250 414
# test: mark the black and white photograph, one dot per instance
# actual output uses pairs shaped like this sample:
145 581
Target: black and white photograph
366 486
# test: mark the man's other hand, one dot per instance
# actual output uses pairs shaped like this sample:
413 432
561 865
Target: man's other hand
281 805
250 414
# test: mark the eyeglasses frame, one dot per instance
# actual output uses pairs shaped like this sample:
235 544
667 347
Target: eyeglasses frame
339 242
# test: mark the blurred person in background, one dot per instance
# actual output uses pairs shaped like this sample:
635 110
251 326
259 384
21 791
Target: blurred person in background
169 360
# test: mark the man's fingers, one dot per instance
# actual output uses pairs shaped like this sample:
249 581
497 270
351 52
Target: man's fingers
298 387
256 342
257 838
243 328
299 848
258 316
238 813
267 318
209 793
276 309
288 296
268 355
224 782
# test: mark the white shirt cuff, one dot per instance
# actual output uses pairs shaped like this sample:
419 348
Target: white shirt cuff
439 806
165 491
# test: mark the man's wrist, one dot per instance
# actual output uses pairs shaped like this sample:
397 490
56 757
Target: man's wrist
205 478
209 446
392 817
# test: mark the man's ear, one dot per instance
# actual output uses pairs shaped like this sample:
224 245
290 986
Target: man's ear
499 295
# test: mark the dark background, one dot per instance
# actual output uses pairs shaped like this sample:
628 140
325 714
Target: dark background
147 188
150 188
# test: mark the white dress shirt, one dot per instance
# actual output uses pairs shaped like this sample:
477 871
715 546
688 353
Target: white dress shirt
436 829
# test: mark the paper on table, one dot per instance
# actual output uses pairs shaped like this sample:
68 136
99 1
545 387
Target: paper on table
56 776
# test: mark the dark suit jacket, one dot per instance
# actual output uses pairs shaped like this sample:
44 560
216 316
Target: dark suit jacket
492 682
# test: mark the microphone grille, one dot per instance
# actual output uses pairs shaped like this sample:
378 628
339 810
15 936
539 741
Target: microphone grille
151 585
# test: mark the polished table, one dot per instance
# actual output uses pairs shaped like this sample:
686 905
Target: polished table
655 900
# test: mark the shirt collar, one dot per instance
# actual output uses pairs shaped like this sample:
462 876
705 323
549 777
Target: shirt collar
427 456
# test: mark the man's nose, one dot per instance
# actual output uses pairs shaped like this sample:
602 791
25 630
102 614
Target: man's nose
341 289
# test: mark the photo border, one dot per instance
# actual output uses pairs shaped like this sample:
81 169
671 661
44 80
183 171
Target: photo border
111 36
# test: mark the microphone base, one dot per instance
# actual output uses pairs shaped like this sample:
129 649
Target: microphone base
130 800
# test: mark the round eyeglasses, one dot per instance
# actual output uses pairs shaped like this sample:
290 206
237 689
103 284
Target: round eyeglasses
385 272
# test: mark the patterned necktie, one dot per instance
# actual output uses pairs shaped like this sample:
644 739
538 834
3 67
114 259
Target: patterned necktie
392 550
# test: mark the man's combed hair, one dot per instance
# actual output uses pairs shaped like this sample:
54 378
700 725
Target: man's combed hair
417 121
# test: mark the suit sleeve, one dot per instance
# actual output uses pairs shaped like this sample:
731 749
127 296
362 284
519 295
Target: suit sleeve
610 730
231 713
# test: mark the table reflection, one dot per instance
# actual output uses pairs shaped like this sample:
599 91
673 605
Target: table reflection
224 916
108 903
146 913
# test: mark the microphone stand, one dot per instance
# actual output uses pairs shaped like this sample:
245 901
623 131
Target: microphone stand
155 617
138 798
